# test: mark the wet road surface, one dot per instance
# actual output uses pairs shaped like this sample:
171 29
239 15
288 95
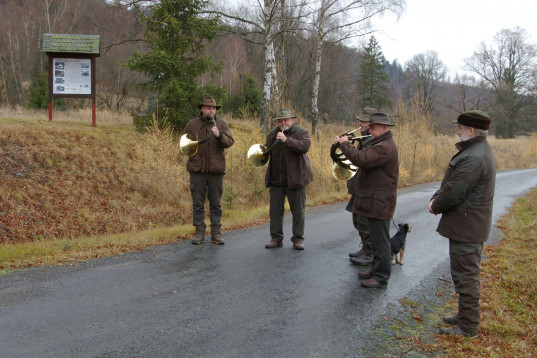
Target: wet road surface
236 300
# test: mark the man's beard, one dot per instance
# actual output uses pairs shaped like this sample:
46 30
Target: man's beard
464 136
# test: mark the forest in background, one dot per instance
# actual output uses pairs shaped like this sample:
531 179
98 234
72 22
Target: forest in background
341 89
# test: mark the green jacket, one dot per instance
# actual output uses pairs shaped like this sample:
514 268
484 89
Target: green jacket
466 193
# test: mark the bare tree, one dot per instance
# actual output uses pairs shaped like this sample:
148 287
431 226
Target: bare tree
260 23
507 66
336 21
424 72
470 94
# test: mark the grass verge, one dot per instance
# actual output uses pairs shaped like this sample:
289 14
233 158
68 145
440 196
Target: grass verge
508 300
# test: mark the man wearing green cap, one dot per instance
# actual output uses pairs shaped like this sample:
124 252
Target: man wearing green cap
465 202
288 173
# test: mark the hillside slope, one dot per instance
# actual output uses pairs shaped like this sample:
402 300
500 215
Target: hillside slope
64 180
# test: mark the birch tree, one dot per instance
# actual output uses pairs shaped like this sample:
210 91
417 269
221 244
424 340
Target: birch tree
337 21
260 23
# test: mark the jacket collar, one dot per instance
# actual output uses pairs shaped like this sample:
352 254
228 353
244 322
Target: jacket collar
468 143
382 137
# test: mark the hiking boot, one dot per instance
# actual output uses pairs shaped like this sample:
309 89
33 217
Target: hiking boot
366 260
358 253
451 320
274 243
372 283
217 239
298 245
199 236
456 331
198 239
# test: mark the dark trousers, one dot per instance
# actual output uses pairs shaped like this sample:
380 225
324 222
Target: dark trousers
465 259
204 185
297 203
379 230
361 223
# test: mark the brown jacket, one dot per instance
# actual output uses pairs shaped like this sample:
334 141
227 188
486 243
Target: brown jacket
298 165
375 194
466 194
210 157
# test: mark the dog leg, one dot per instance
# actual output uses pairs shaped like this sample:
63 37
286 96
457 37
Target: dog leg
401 256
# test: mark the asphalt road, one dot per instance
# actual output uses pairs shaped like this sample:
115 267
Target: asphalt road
236 300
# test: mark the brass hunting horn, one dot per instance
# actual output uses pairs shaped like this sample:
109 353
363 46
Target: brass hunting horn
342 168
189 145
259 155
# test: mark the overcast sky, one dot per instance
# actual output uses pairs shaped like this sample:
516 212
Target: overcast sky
452 28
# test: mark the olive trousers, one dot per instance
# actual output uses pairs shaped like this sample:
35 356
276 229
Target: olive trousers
465 260
203 185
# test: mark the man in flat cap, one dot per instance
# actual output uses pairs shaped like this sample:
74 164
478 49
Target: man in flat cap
375 194
207 168
465 202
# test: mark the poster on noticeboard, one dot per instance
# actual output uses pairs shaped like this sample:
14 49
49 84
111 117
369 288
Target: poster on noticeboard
71 76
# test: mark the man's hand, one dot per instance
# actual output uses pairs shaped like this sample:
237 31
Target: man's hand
282 137
215 131
431 207
341 139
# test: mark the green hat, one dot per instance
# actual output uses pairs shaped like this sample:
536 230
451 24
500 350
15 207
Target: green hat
475 118
209 102
381 118
283 113
366 113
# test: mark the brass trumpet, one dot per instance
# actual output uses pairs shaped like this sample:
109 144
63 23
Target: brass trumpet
188 145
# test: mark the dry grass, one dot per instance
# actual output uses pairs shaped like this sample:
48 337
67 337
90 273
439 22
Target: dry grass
65 180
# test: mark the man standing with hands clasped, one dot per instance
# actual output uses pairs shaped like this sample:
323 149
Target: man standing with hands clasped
207 168
465 202
375 194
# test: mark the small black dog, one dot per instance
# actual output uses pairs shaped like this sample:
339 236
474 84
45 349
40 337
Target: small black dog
397 242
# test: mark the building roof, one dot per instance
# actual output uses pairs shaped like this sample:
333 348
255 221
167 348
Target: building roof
70 43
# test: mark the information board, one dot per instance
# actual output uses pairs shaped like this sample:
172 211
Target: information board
71 76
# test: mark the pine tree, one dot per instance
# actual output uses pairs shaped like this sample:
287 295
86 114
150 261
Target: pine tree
373 90
38 96
177 36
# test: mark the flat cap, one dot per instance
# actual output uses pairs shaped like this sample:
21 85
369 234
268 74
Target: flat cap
475 118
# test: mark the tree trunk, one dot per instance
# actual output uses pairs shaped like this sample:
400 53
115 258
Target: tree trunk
315 90
267 83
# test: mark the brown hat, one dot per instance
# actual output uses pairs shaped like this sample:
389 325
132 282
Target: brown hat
475 118
366 113
283 113
210 102
380 118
